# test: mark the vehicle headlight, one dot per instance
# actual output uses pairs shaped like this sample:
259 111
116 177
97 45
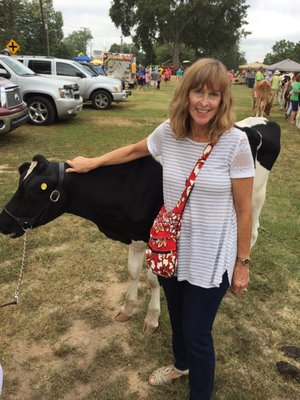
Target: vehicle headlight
117 88
66 93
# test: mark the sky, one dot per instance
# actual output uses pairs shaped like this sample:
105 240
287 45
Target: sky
269 22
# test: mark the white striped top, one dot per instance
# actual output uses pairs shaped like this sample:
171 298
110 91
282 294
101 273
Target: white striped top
208 241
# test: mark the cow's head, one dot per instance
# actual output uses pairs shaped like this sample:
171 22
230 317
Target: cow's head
40 197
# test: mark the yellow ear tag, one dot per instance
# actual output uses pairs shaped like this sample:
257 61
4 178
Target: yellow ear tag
44 186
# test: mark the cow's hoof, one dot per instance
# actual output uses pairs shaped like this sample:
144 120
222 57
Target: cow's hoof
126 311
122 316
151 322
149 329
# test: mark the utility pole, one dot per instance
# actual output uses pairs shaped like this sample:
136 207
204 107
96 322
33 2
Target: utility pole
45 28
121 47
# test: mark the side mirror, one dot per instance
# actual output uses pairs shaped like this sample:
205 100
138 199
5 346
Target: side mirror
4 73
80 75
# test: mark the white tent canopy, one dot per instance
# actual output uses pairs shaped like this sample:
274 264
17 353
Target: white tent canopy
285 66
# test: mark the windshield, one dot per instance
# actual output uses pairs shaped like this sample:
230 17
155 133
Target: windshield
79 66
90 69
18 67
100 70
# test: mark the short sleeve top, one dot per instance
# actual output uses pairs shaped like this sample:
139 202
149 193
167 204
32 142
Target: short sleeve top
295 87
208 241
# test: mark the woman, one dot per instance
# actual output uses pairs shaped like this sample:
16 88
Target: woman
294 98
214 247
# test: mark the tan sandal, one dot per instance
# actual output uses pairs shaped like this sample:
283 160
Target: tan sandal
164 375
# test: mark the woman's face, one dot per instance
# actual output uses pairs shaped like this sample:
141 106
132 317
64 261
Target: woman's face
203 105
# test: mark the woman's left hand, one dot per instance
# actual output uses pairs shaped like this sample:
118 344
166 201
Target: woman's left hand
240 278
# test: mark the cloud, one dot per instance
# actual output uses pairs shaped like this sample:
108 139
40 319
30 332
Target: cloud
269 22
92 14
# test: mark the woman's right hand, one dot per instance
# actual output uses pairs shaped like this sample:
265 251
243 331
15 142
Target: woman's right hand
80 164
118 156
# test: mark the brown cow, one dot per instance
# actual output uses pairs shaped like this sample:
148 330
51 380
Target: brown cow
262 99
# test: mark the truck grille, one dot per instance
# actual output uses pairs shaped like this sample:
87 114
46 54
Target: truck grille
13 97
75 88
76 91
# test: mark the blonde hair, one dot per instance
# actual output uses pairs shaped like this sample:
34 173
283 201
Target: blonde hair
213 74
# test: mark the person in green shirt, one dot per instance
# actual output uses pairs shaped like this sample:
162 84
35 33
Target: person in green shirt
259 76
275 83
294 99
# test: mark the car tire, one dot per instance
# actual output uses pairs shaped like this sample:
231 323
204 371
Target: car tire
101 100
41 111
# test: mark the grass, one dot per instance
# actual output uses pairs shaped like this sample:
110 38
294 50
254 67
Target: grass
62 341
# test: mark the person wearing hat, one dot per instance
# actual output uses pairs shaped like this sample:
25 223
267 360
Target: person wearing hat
275 86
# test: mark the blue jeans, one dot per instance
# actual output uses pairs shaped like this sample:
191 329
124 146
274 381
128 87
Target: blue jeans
192 311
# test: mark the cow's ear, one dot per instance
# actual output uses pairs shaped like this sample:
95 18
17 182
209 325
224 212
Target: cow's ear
41 162
24 167
40 159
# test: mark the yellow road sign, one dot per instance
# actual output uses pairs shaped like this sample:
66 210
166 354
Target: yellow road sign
13 46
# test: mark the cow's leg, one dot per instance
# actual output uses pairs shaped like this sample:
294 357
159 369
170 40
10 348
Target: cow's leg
254 103
151 321
258 198
136 255
257 107
259 110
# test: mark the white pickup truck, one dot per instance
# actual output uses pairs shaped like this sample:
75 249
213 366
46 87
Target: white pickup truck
100 90
47 99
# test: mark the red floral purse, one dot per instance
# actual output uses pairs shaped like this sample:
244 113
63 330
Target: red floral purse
161 253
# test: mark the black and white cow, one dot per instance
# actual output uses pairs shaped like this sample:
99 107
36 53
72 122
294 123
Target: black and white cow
122 200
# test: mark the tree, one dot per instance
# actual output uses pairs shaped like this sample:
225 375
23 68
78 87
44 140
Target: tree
163 54
297 52
11 17
282 50
206 26
127 48
22 21
231 57
78 41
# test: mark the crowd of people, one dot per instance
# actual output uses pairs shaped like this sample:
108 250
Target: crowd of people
290 99
151 77
285 90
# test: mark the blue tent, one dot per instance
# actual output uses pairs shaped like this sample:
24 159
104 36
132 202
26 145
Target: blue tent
82 58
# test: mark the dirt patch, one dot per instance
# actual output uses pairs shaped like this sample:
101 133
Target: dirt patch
4 168
31 360
111 121
137 385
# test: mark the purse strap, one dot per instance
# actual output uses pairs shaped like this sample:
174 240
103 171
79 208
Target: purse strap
192 178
